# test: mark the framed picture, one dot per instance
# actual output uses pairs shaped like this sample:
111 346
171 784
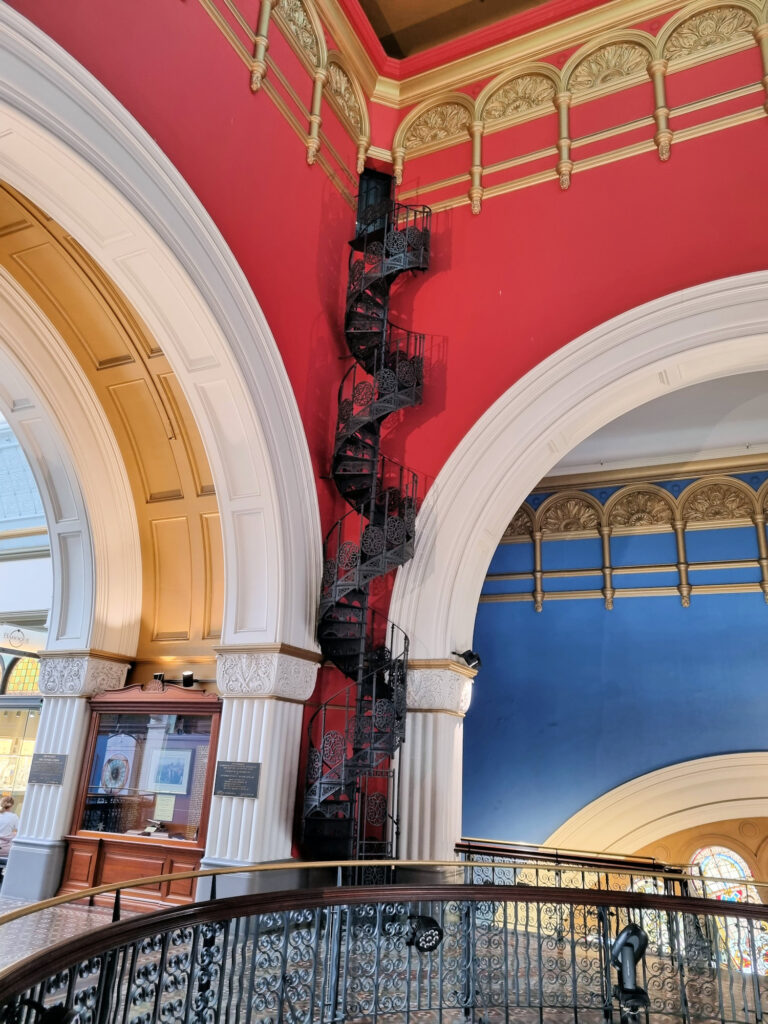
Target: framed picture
169 771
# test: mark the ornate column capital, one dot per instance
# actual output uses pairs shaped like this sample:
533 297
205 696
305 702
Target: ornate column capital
268 670
80 673
439 686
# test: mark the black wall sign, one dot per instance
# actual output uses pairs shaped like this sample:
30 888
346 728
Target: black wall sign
237 778
48 769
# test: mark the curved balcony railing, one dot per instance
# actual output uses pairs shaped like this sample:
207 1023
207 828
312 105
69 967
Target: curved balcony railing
411 955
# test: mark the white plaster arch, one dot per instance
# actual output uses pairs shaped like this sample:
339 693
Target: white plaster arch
75 151
681 796
709 331
74 456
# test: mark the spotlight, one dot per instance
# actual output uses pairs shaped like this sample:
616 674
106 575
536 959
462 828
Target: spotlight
187 678
626 952
424 933
159 676
472 658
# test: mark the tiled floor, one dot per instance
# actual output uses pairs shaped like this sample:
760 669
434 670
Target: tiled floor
29 935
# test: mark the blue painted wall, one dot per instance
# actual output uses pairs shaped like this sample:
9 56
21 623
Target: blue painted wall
576 700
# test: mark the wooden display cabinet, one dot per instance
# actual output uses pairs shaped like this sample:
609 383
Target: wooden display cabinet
145 791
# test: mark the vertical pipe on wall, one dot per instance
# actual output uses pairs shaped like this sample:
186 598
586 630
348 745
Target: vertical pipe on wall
608 589
762 550
682 564
657 69
564 164
476 188
538 590
259 65
761 37
315 120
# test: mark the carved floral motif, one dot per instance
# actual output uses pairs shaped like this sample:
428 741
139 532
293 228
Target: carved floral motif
255 674
716 502
438 689
640 508
344 94
80 676
436 124
524 93
520 526
617 60
295 15
570 515
710 28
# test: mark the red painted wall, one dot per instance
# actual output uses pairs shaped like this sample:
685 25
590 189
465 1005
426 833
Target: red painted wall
533 271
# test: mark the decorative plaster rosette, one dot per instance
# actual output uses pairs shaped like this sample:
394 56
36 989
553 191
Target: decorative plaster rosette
268 674
438 689
80 676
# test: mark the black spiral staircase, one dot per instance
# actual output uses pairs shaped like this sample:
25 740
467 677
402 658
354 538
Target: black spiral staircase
350 802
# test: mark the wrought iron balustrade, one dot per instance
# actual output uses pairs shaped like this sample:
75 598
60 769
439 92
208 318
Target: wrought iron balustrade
517 864
503 954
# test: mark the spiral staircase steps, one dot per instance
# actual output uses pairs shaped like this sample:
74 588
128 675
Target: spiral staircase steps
349 796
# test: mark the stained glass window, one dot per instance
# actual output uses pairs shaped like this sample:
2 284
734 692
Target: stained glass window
23 676
726 876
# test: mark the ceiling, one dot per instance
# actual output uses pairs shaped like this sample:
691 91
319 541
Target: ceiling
720 419
410 26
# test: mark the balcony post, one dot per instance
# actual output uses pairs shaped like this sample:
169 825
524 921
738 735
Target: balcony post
438 696
263 690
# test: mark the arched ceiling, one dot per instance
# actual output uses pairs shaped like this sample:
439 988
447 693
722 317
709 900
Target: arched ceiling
170 477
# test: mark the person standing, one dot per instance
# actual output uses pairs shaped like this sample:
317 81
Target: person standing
9 824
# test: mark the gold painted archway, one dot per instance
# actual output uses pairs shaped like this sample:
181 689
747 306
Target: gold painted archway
155 429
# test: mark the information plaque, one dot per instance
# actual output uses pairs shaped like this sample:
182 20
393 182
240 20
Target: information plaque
48 769
237 778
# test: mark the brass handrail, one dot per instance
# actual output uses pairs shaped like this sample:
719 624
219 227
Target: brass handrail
114 887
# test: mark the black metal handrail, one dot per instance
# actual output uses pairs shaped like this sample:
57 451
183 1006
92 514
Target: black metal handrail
429 954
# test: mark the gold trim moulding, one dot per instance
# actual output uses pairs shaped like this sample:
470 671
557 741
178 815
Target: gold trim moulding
123 659
582 595
288 649
622 570
650 474
447 664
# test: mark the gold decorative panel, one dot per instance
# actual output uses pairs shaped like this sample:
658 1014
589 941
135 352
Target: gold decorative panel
521 525
343 93
569 514
446 121
715 27
640 508
718 502
295 16
528 92
617 60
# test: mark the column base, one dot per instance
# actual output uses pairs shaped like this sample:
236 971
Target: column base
250 883
34 869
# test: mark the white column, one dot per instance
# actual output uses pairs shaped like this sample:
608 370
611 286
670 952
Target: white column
431 760
263 691
66 682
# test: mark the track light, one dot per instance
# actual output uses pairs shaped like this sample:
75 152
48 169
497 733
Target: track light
472 658
159 676
187 678
424 933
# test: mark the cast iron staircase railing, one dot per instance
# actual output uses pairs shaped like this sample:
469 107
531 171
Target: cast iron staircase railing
350 802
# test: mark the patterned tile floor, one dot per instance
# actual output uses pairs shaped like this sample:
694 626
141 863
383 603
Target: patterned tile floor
29 935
